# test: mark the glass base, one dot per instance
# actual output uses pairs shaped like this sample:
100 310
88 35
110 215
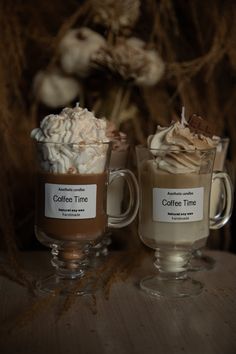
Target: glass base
57 285
172 288
200 262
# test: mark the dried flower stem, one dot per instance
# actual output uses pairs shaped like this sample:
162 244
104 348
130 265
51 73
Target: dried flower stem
121 102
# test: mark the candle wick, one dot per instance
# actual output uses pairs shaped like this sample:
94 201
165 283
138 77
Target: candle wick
183 119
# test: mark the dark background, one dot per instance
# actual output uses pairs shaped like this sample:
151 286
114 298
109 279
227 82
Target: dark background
196 40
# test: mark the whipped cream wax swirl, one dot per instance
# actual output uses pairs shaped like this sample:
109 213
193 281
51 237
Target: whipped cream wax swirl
172 141
65 138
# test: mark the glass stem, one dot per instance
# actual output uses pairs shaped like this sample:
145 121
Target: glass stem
172 263
68 262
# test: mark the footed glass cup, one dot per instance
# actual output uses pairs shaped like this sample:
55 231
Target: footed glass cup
71 215
174 219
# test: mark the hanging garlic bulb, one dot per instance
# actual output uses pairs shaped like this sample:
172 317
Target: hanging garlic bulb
76 49
55 89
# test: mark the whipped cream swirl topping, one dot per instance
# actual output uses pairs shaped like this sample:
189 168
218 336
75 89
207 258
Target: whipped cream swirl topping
180 150
72 142
72 125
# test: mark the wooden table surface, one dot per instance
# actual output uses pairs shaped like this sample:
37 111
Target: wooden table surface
129 321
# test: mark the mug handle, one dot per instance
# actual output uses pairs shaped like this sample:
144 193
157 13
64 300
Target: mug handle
218 221
124 219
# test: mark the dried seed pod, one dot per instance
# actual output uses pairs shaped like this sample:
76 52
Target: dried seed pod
119 16
132 61
76 49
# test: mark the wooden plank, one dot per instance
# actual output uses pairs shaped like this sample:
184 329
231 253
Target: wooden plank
129 321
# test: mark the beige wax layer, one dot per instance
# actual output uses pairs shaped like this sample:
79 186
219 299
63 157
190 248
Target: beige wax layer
154 233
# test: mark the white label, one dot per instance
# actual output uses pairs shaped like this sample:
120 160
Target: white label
65 201
178 205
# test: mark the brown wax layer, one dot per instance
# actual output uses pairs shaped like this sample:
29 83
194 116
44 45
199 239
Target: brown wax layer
72 229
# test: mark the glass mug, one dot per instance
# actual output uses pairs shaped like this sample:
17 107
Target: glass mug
71 198
201 261
174 219
119 203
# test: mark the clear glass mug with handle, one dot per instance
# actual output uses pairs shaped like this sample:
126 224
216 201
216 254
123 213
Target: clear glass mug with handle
119 192
174 214
71 214
200 261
